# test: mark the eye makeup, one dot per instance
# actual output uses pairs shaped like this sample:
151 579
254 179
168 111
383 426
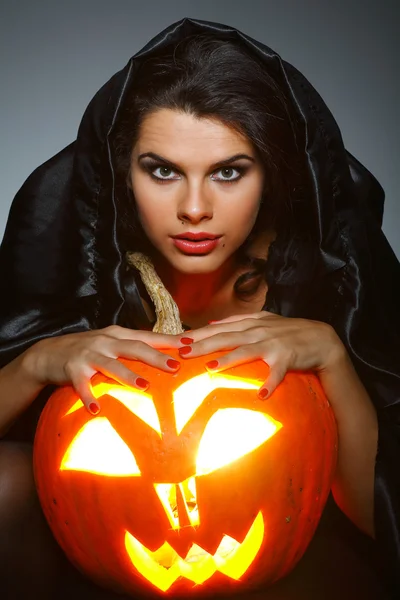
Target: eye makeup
150 165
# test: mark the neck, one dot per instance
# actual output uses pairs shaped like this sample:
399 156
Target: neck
198 293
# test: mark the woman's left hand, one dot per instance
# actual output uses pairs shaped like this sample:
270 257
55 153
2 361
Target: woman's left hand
283 343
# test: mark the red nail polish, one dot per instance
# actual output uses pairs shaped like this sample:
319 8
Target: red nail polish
263 393
142 383
184 351
210 322
213 364
173 364
94 408
186 340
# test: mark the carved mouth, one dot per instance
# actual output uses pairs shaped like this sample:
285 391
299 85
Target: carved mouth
164 566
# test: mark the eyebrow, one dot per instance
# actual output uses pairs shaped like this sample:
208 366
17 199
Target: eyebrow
220 163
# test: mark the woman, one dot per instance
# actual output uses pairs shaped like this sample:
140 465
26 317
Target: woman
220 162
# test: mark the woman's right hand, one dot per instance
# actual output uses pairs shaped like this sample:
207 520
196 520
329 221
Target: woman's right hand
74 358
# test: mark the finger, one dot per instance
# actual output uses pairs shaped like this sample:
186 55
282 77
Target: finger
145 353
242 354
234 318
212 330
276 375
159 340
156 340
111 368
114 369
224 341
84 390
249 353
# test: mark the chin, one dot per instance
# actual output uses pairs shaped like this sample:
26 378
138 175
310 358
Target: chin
194 265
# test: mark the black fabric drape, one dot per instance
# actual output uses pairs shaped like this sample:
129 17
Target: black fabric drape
62 267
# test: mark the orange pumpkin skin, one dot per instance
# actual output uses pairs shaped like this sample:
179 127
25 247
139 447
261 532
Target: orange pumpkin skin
286 479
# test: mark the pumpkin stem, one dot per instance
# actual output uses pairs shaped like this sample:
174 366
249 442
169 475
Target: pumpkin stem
167 311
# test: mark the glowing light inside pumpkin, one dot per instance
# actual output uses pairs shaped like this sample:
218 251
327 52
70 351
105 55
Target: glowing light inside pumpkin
164 566
167 493
97 448
139 403
230 434
191 394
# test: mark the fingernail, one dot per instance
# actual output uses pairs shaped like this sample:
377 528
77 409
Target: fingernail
213 364
184 351
142 383
94 408
173 364
186 340
263 393
210 322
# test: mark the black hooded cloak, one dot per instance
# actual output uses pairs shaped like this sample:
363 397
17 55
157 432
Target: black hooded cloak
61 265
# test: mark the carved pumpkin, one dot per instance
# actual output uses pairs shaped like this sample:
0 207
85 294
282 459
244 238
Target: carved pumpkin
193 486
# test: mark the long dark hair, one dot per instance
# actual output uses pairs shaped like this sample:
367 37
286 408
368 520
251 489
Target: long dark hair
206 76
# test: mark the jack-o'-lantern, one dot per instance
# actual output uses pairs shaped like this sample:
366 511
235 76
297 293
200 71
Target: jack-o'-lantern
193 486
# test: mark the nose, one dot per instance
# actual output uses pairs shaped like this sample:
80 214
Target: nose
195 207
180 502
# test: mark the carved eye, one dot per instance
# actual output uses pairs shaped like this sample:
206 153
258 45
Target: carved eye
191 394
139 403
230 434
97 448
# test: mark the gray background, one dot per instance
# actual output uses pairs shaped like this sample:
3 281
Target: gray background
56 55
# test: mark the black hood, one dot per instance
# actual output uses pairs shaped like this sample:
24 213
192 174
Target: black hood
62 265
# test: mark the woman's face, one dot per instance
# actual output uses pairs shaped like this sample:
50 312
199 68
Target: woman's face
195 176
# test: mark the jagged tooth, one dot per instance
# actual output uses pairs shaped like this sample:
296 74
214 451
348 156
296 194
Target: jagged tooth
237 561
143 560
164 566
227 547
165 556
196 553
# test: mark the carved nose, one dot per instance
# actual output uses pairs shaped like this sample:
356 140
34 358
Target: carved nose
180 502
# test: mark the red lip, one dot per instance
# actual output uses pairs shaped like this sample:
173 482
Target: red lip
199 247
196 236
